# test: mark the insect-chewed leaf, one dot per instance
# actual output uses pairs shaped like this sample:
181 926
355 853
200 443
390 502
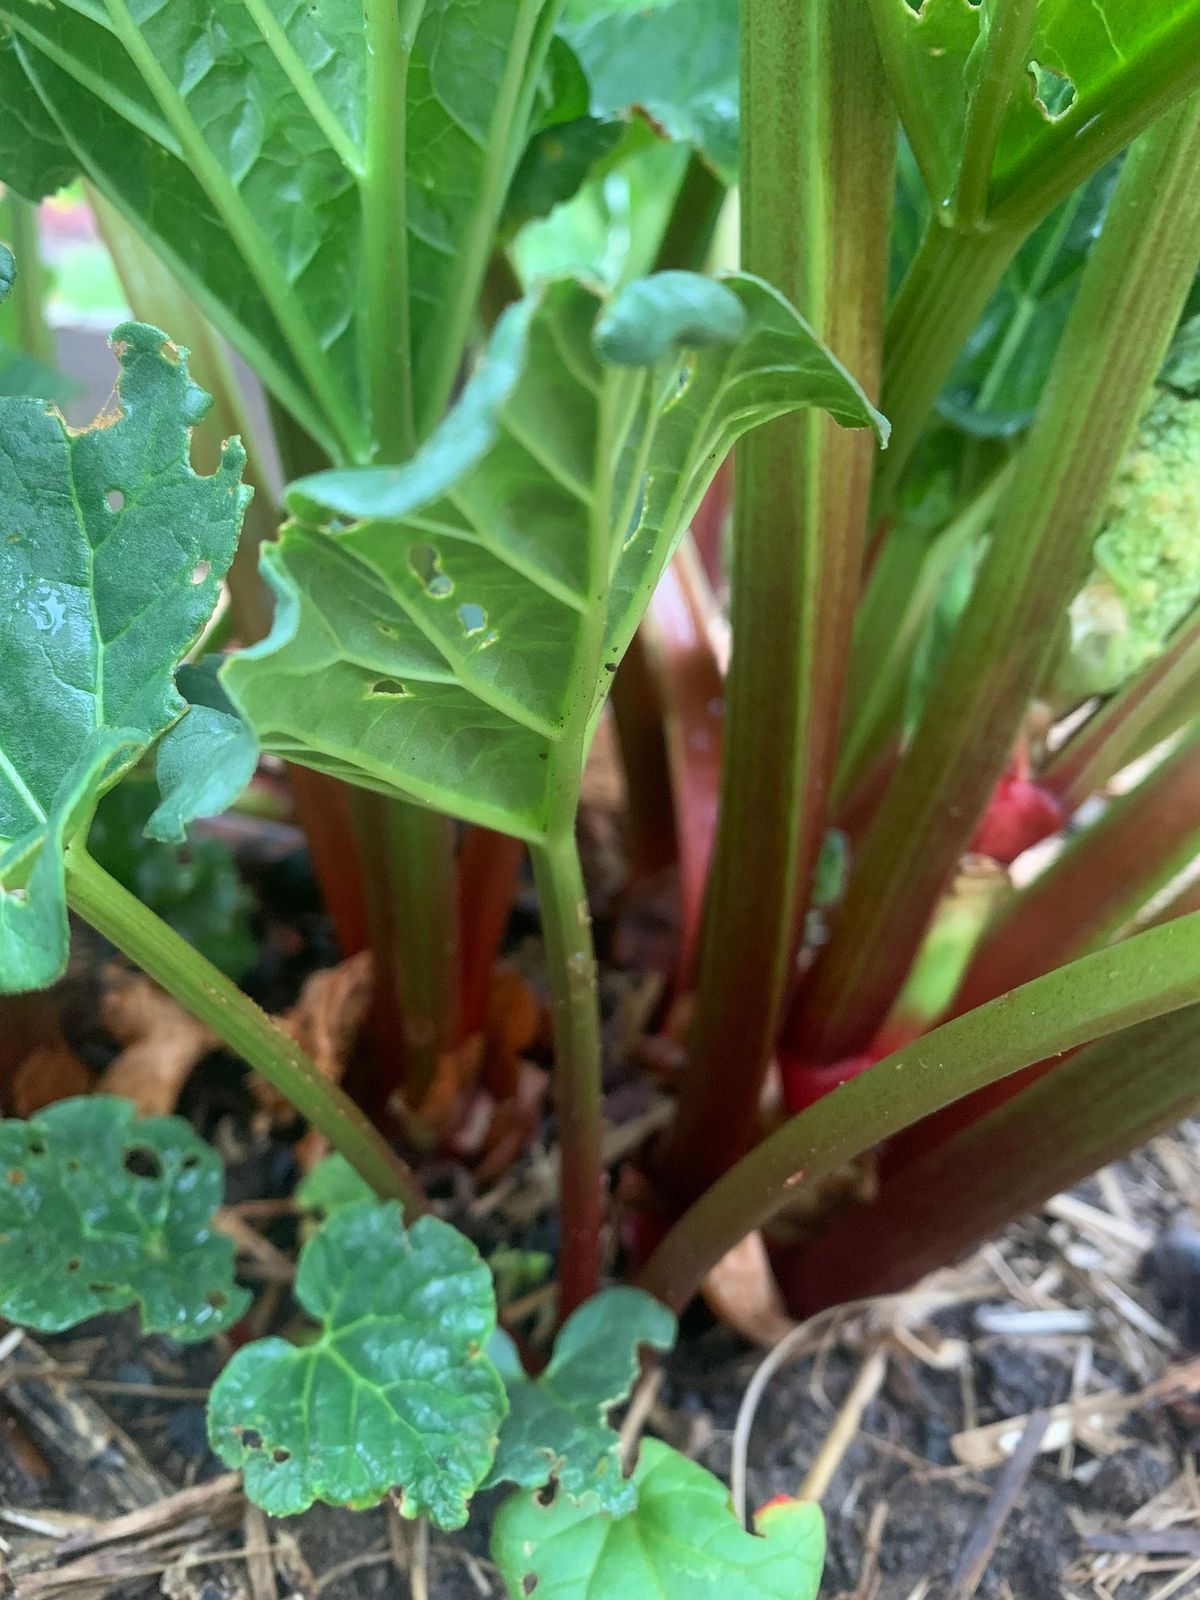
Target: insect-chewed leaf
99 1211
206 760
682 1543
112 552
557 1424
462 628
394 1394
1086 65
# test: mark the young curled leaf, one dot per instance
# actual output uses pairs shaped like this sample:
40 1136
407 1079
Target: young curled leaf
203 762
99 1211
394 1395
683 1542
557 1425
655 317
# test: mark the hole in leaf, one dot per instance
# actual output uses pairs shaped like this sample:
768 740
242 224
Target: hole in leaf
199 572
216 1299
426 562
473 619
190 1163
386 629
547 1494
37 1148
1053 91
74 1264
251 1438
280 1455
390 688
142 1162
101 1288
529 1583
14 1176
116 499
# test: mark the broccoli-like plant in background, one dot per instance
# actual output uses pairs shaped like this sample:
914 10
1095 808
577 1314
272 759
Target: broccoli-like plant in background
488 479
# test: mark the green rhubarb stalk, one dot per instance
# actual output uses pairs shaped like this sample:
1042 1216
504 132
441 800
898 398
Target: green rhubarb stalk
1129 301
204 991
1145 977
817 128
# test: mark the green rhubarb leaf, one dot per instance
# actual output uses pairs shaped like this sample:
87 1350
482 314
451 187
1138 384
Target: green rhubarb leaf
677 62
1106 64
447 630
393 1395
234 132
112 552
206 760
99 1211
557 1425
998 379
33 158
332 1185
683 1542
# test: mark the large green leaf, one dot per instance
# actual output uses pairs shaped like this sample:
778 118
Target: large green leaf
557 1424
237 134
112 552
99 1211
453 644
682 1543
1097 71
33 158
394 1394
677 62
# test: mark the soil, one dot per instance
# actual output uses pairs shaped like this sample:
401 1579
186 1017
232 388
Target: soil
1096 1295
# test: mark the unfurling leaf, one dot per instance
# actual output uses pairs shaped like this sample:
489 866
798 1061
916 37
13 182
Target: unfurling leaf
557 1424
682 1543
395 1394
203 762
112 551
99 1211
454 643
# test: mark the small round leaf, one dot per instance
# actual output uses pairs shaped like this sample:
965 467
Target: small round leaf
395 1394
99 1211
682 1543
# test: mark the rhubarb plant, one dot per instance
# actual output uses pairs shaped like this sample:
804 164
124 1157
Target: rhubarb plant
950 353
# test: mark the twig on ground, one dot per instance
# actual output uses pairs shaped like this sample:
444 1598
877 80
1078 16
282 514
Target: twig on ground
981 1546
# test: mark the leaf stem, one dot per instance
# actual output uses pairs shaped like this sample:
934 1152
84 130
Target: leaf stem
1147 976
26 305
248 1031
532 27
571 968
1005 54
815 207
391 27
944 293
1132 291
